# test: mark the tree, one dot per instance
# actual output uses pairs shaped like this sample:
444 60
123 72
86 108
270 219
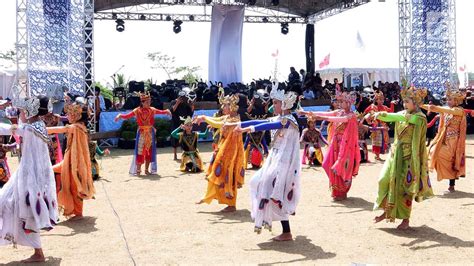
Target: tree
119 81
106 92
189 73
9 55
163 62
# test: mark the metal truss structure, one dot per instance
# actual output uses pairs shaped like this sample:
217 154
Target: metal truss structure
21 47
194 17
336 9
427 37
88 30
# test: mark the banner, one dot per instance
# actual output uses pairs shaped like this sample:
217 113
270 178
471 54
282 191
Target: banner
225 47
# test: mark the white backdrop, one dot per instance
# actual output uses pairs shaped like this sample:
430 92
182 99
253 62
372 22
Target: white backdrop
225 47
7 79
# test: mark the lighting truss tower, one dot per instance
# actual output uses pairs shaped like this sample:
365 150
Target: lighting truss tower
427 43
21 47
88 30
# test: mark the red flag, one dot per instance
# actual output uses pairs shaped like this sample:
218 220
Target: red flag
325 61
275 54
462 68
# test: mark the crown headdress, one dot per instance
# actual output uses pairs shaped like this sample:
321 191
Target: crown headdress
31 106
144 96
349 97
456 94
186 120
74 111
416 94
379 95
231 100
288 99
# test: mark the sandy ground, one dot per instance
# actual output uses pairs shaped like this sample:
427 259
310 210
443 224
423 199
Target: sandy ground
153 220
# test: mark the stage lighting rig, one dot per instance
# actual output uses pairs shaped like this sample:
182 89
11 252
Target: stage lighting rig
275 2
285 28
120 25
208 2
252 2
177 26
168 18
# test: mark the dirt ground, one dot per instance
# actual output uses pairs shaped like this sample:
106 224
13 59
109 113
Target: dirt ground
153 220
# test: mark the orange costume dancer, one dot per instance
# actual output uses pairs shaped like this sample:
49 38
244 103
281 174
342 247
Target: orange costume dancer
380 138
75 183
145 147
228 167
448 149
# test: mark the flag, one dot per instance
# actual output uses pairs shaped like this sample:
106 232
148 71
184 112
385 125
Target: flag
325 61
275 54
462 68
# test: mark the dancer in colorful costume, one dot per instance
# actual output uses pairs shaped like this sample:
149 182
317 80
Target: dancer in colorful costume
255 144
363 130
380 138
448 148
28 201
4 169
145 147
94 150
227 170
404 176
311 137
275 188
342 159
190 159
75 182
55 151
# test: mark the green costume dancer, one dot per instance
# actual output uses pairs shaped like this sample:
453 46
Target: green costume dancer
404 176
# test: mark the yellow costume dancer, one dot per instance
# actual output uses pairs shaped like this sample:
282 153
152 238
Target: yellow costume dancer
448 149
227 170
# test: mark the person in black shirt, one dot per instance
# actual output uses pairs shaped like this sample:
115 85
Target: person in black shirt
294 77
181 107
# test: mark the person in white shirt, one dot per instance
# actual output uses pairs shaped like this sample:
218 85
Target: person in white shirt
308 94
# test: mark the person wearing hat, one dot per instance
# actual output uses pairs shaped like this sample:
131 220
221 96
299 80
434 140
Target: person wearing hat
404 176
145 148
275 189
190 159
183 106
28 201
448 148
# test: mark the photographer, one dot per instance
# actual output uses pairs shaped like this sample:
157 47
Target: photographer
183 106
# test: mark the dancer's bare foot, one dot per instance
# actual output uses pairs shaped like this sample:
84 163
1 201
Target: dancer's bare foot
404 225
229 209
283 237
38 256
379 218
147 172
339 198
200 202
77 217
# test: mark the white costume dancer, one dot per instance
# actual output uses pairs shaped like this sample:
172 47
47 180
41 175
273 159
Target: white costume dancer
28 200
275 188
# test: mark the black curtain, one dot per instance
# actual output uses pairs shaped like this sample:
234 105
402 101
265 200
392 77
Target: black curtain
309 47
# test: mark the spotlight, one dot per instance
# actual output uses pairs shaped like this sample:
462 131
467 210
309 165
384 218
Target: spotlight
114 16
142 17
120 25
265 20
284 28
177 26
208 2
191 18
252 2
275 2
168 18
293 20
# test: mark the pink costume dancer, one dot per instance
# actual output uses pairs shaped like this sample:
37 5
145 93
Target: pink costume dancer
342 159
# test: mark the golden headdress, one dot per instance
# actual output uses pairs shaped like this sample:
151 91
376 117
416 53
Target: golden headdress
311 119
378 95
186 120
74 112
349 97
144 96
456 94
231 100
416 94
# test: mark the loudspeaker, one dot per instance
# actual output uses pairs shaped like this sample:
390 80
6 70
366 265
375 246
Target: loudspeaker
131 103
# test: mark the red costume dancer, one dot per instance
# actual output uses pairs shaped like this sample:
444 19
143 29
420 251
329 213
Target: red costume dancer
145 148
342 159
380 138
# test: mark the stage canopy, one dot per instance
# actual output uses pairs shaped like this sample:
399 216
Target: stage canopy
302 8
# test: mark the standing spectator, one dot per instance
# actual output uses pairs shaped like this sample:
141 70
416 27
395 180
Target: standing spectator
293 77
181 107
302 76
